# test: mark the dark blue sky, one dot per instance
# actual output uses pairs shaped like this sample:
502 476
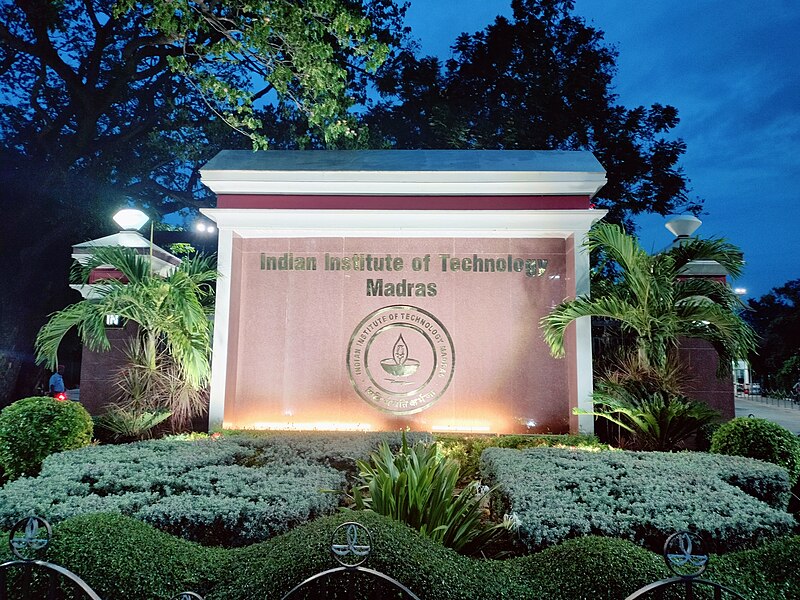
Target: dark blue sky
732 68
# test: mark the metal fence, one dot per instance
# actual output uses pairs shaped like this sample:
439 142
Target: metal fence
781 400
686 558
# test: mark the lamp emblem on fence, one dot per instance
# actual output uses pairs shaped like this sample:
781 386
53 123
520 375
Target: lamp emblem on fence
29 536
685 555
351 544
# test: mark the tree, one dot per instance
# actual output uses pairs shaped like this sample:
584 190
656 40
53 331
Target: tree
776 318
104 103
127 91
172 313
655 305
541 80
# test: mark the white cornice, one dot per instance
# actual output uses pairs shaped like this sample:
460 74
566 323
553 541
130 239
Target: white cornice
254 223
376 183
405 172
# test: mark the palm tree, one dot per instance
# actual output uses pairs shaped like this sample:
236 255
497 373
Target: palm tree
656 306
172 312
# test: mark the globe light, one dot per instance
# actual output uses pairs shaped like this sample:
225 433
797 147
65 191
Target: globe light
130 219
200 227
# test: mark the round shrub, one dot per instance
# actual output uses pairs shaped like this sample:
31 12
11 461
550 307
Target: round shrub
120 557
31 429
761 439
592 567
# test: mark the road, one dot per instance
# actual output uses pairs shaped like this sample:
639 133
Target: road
788 417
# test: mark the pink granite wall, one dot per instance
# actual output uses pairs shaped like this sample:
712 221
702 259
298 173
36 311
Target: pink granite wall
700 361
99 370
315 346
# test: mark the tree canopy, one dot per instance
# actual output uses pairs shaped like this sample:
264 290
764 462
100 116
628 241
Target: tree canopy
540 80
776 317
132 93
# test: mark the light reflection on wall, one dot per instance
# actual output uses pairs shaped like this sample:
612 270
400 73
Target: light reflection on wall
292 426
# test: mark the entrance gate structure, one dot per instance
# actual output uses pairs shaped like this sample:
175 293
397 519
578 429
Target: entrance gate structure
378 290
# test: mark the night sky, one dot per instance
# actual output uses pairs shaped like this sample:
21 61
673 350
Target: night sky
732 69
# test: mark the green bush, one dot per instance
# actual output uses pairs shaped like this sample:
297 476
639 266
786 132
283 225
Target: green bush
430 570
122 558
467 449
31 429
591 567
761 439
771 572
417 485
214 491
641 496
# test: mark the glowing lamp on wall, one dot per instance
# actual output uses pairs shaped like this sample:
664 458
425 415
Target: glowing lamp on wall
130 219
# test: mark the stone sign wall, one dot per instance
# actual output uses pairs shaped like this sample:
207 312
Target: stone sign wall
374 333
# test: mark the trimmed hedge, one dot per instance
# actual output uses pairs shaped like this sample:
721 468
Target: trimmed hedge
467 449
771 572
560 494
761 439
33 428
120 557
123 558
192 488
241 488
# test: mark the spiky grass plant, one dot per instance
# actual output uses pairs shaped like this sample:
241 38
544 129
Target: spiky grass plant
417 485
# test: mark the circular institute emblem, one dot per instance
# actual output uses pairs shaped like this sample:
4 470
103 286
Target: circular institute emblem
400 359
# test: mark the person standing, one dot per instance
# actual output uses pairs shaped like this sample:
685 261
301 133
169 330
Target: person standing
57 382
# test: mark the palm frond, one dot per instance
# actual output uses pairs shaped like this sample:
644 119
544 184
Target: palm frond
87 317
714 291
625 250
555 323
714 249
134 266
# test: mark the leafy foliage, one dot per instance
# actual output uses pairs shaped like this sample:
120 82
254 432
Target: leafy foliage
769 572
644 497
761 439
122 558
296 48
417 486
32 429
541 80
172 311
655 417
215 491
467 449
126 425
776 318
155 386
655 305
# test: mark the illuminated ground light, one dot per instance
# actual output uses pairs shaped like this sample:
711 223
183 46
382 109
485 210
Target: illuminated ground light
462 428
313 426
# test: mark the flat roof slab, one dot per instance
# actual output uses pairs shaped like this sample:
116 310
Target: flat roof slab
405 172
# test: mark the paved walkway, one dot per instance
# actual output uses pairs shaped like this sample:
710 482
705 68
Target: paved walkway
775 411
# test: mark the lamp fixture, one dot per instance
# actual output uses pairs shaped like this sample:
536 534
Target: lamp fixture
130 219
